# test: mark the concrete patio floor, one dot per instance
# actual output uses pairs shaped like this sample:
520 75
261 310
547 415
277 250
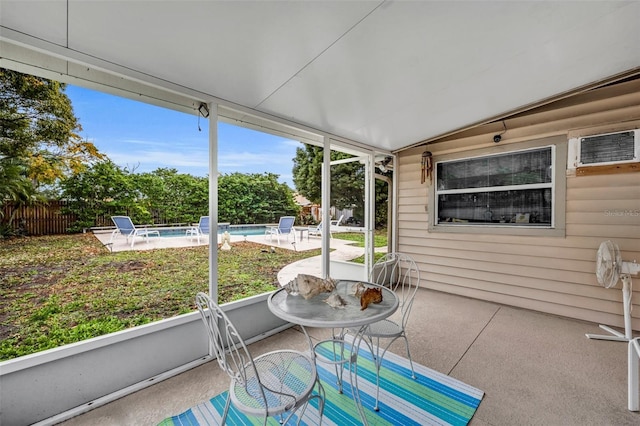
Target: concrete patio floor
535 369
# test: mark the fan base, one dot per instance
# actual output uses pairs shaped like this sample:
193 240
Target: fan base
626 304
615 335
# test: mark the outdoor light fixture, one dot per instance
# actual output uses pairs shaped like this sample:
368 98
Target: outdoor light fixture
204 110
382 166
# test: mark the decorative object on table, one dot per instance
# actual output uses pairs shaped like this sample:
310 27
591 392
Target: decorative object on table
358 288
226 239
335 301
432 399
370 295
309 286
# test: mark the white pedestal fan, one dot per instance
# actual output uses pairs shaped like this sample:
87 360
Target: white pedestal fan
609 268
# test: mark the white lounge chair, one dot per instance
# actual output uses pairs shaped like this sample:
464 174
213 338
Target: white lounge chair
202 229
284 228
316 230
337 222
124 226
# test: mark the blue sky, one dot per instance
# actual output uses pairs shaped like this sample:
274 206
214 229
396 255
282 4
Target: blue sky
145 137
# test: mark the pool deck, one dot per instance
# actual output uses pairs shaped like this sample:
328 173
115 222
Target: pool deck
340 249
119 243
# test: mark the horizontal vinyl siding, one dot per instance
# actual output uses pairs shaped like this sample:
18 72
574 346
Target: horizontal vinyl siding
555 275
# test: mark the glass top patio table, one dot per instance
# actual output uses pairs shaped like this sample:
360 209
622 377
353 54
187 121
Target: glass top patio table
315 312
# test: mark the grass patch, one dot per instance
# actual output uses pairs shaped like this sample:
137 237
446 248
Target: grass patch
376 256
379 238
63 289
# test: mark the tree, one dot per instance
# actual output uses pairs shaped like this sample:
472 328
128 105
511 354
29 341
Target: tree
102 190
39 129
173 197
347 182
254 198
166 196
14 185
307 172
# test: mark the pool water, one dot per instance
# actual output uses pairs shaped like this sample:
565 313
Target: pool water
233 230
244 230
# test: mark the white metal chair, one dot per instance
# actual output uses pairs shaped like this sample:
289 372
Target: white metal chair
273 384
201 230
398 272
284 228
125 226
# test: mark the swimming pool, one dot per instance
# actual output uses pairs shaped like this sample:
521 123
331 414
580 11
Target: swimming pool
244 229
181 231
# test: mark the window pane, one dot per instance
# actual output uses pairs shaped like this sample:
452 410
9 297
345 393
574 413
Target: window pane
519 168
519 207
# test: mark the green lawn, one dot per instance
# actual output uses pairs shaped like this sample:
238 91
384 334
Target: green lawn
62 289
379 237
380 240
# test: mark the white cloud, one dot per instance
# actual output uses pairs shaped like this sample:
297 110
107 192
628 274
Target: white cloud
142 142
150 160
292 143
192 156
251 159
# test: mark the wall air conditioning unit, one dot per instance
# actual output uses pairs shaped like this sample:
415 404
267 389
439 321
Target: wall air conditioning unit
605 149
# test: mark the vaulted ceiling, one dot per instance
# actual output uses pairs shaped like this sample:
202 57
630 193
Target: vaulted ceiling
388 74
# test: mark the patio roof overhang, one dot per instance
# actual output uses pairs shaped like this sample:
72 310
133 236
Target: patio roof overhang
381 73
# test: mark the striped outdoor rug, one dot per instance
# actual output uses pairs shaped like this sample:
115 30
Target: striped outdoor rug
432 399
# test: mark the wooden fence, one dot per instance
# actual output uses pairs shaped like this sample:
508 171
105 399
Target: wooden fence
40 219
49 219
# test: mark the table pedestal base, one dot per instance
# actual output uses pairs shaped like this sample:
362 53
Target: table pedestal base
338 353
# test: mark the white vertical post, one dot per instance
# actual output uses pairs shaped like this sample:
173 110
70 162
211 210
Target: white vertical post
213 201
326 206
369 212
632 382
393 206
626 305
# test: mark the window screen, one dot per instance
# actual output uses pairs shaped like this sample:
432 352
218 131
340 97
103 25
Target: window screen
511 189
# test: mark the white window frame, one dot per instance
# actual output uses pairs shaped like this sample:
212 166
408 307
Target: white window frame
558 146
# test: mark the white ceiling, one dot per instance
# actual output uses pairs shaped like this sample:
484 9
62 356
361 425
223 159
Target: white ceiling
387 74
